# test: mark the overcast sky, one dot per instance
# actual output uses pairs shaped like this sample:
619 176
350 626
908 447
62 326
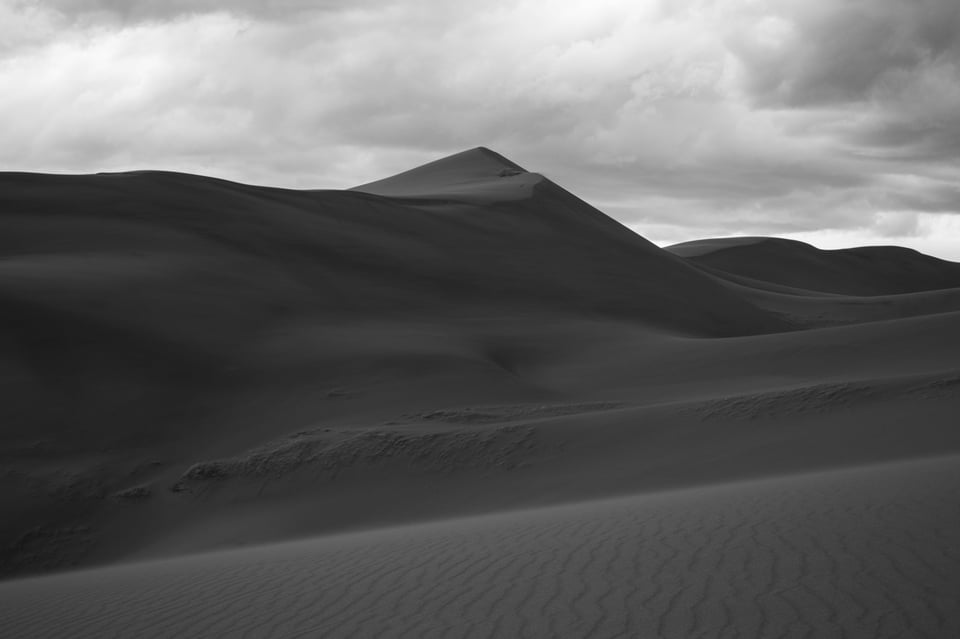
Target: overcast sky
832 121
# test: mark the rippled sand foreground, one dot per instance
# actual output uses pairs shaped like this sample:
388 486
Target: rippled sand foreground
868 552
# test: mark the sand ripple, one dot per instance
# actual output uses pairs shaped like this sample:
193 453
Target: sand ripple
856 553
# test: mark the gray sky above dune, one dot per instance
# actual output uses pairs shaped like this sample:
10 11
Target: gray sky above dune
833 122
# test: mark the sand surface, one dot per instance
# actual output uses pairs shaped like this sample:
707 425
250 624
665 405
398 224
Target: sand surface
461 402
865 270
865 552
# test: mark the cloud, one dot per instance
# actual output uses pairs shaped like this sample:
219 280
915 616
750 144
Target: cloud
701 115
933 234
808 53
135 11
888 69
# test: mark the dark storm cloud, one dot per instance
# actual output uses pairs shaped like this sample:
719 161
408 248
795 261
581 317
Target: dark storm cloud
820 53
917 118
933 198
889 68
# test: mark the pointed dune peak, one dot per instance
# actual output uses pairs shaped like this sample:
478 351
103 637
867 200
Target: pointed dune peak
493 156
475 175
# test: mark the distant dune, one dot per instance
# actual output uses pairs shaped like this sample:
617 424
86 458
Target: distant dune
457 402
867 270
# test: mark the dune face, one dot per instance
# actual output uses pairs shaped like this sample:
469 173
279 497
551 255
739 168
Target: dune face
863 271
809 287
461 401
852 553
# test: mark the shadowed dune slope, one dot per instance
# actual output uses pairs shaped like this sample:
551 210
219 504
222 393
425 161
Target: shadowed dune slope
191 364
859 553
862 271
253 253
124 295
153 320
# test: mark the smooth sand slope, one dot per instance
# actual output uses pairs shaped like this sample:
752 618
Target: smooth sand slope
866 270
155 320
479 404
867 552
810 287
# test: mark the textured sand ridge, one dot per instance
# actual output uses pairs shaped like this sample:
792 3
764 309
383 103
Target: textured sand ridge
867 552
436 452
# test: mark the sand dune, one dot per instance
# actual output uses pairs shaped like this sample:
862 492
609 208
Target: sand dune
482 407
810 288
478 176
865 552
866 270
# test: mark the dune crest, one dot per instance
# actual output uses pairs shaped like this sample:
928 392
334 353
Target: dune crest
478 175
